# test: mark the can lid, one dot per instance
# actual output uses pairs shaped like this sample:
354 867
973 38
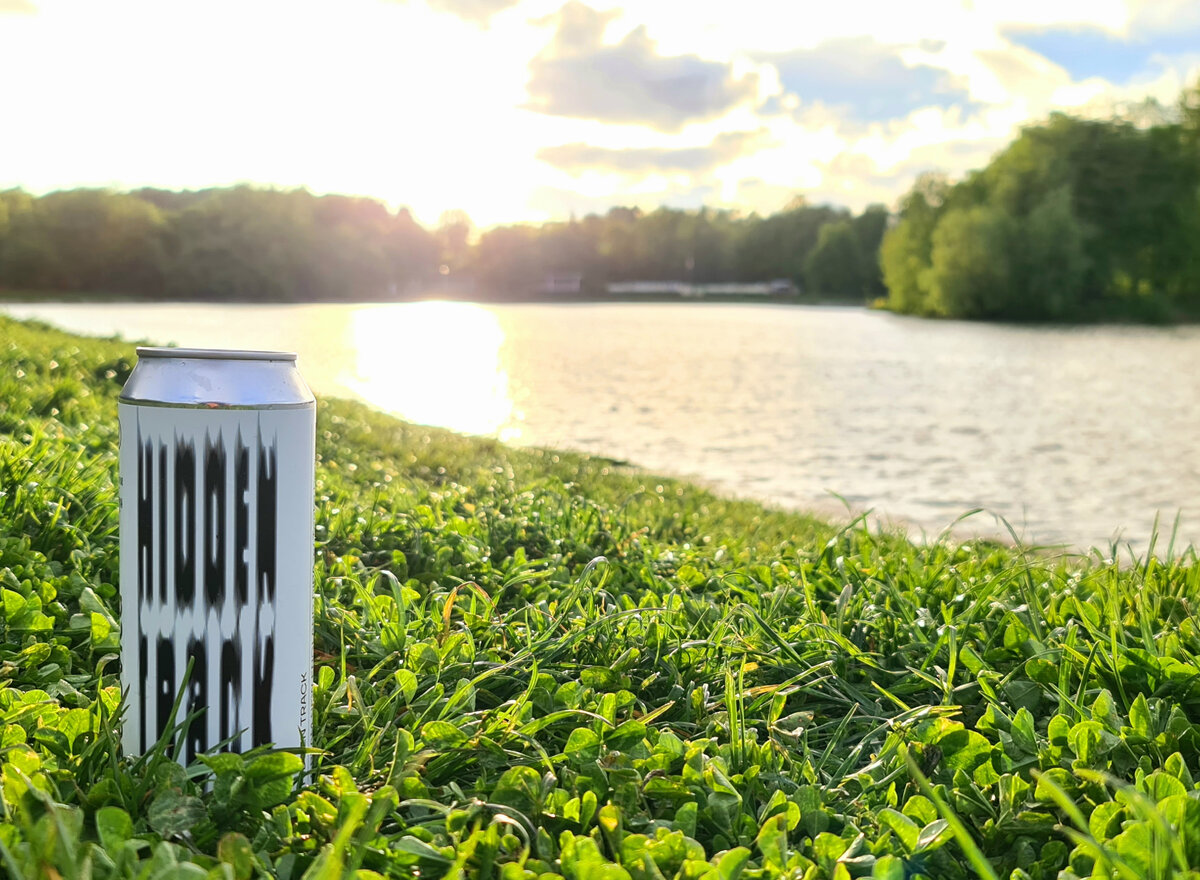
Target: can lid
145 351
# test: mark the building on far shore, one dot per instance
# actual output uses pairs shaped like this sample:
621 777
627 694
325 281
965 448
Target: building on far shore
562 284
780 287
651 288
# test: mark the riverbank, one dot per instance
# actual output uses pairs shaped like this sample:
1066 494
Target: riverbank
1135 312
533 663
1147 312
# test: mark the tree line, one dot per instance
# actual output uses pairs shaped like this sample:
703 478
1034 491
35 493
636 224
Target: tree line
239 243
825 251
1075 218
248 243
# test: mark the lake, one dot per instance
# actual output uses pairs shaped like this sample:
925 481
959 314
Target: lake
1074 435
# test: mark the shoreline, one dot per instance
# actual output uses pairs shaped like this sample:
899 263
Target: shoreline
35 297
1166 322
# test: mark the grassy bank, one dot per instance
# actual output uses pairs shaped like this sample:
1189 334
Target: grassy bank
536 664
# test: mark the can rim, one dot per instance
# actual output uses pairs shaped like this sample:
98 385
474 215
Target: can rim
147 351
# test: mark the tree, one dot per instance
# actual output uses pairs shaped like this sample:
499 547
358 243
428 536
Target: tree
1130 185
508 258
1051 260
101 241
904 257
836 266
970 273
778 246
906 249
453 236
870 227
27 258
1077 214
247 244
411 250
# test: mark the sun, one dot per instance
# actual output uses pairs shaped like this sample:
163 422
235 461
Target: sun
434 363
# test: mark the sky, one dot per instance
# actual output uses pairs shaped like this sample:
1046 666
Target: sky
527 110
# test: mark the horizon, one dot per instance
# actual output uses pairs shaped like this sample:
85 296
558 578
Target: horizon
600 105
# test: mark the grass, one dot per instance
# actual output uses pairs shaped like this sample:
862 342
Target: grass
536 664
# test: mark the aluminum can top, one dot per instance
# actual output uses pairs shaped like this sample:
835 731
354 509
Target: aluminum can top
216 379
214 354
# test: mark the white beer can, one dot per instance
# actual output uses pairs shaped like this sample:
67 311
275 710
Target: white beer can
216 540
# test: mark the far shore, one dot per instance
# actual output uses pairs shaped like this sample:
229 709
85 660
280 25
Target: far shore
32 297
1103 318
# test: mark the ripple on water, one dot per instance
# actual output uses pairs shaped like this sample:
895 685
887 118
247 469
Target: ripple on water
1071 432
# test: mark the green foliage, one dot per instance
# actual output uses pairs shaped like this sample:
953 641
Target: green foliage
836 266
903 258
535 664
1102 216
906 250
80 240
223 244
1051 260
870 227
243 243
970 272
778 246
702 246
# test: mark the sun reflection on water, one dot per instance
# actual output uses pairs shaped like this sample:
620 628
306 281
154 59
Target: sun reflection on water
434 363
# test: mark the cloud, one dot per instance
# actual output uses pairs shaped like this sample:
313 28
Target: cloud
17 7
1163 16
764 197
580 76
1086 52
477 12
854 178
724 148
556 202
863 81
1021 72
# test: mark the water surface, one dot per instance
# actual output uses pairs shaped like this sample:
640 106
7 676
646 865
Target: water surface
1075 435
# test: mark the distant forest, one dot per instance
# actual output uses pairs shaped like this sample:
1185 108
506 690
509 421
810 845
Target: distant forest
247 243
1076 218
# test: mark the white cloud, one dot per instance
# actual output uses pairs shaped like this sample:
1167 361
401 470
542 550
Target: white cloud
639 161
754 194
552 203
578 74
1162 16
1111 15
478 12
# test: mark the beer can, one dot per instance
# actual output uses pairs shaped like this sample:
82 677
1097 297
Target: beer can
216 549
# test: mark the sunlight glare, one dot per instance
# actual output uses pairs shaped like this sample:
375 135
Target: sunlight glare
434 363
